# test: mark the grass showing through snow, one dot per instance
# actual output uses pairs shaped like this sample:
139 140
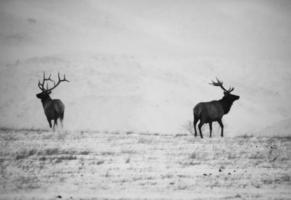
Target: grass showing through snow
42 165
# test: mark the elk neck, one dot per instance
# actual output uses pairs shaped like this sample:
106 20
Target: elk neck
226 104
45 100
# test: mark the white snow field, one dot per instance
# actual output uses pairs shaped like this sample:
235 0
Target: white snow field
130 165
136 70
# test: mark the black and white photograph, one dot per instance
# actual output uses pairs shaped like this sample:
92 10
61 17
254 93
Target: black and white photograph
145 99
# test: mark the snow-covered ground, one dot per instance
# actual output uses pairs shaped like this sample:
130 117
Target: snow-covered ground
136 165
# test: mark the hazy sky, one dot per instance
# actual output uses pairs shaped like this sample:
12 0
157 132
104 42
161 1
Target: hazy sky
254 29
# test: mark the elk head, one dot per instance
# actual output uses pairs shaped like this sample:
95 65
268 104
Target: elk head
227 93
45 92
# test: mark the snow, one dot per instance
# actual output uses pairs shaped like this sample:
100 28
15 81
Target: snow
136 70
112 92
131 165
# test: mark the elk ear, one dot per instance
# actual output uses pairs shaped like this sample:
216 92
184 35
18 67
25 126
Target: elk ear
49 92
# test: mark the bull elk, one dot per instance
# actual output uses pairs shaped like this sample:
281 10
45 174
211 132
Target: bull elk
208 112
53 108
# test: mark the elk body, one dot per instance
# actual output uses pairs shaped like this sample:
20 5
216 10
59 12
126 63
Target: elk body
208 112
54 109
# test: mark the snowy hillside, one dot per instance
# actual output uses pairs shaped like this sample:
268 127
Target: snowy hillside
143 66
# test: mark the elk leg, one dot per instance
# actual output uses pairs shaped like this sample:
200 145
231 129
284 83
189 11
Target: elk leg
210 128
61 119
221 125
199 126
194 124
50 123
55 123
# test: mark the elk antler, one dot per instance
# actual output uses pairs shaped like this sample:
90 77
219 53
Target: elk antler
220 84
44 79
59 81
41 85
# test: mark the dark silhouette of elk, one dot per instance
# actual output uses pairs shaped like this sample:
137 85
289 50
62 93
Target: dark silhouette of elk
54 109
208 112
